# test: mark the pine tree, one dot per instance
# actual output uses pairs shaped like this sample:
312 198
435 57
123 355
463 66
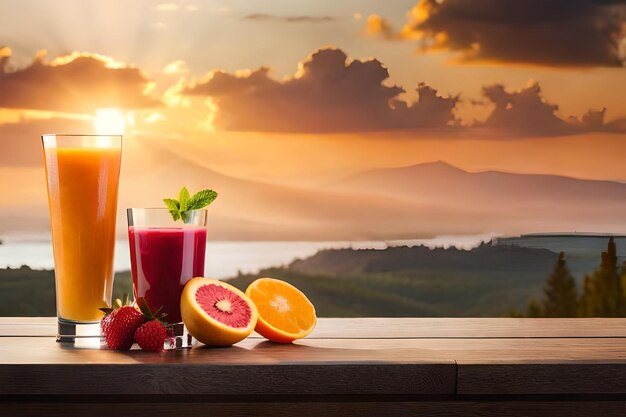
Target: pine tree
623 288
612 282
585 305
602 292
534 309
560 298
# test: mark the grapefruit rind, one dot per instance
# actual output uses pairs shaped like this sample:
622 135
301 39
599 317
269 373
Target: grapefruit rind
270 332
205 328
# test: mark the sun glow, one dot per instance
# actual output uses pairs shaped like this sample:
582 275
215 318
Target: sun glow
109 121
66 59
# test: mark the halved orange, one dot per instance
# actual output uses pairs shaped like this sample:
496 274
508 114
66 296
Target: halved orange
285 313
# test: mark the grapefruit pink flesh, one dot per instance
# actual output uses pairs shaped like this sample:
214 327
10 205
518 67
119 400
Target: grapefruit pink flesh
224 305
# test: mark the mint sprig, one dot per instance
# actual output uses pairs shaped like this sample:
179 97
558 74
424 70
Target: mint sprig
183 198
179 208
173 206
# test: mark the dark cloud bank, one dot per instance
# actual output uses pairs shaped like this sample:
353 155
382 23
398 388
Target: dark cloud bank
577 33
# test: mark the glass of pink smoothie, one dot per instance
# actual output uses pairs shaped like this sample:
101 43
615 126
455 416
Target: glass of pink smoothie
164 255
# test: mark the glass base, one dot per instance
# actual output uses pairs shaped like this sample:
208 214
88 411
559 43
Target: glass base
178 337
79 334
87 335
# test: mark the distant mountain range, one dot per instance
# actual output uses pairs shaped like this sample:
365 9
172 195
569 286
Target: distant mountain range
495 201
418 201
435 182
255 210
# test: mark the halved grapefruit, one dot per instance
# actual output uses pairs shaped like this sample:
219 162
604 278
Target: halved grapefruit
285 313
216 313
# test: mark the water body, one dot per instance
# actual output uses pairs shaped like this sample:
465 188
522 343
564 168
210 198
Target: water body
226 259
223 259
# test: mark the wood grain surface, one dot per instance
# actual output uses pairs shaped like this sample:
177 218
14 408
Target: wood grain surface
369 367
287 408
397 328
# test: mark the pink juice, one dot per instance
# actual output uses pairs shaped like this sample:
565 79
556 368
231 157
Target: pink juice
163 259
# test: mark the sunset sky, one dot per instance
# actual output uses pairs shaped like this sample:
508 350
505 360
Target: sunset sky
297 95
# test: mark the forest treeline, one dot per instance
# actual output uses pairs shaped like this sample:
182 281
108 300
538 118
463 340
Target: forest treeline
603 292
487 281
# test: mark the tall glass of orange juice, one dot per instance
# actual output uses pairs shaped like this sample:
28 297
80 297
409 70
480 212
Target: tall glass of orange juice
82 173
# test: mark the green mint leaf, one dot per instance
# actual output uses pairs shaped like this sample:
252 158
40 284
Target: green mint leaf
201 199
173 206
183 198
179 209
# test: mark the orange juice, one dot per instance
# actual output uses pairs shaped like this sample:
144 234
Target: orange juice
82 194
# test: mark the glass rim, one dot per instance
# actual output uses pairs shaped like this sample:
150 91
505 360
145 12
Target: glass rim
128 209
83 141
80 135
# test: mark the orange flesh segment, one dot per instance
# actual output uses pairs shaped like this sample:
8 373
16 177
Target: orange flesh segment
283 307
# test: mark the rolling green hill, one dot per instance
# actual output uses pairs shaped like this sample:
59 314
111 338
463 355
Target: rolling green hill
31 293
417 281
399 281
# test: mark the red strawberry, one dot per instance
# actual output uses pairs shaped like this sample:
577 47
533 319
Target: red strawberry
118 327
151 336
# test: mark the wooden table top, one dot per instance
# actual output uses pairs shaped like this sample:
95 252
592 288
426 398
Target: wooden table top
361 356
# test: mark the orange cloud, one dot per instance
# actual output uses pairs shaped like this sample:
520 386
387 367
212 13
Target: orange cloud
378 26
526 112
77 83
523 111
329 93
176 67
577 33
